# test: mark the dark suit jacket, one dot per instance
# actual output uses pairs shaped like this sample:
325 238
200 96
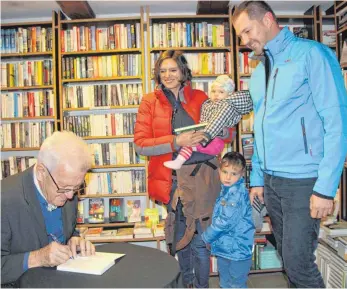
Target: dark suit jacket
22 224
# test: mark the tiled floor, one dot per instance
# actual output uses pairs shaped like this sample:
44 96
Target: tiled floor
268 280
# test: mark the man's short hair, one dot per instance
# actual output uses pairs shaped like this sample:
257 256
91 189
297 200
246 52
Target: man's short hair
254 9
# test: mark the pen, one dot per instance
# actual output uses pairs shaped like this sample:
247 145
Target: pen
55 239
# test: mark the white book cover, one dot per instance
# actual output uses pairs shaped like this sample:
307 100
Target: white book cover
97 264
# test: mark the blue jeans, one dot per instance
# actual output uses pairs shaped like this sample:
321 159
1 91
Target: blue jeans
233 274
296 233
194 259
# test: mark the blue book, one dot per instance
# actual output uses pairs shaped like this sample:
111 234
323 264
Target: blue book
2 43
13 40
189 40
92 28
15 104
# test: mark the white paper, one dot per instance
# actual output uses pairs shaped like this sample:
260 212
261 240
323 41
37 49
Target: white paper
97 264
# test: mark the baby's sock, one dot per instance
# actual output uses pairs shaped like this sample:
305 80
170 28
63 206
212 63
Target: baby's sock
184 154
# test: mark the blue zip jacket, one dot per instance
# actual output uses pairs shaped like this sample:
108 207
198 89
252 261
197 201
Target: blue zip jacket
231 233
300 123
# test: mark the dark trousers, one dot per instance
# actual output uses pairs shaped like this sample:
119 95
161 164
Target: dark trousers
296 233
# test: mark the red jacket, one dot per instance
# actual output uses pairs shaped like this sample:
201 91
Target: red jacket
153 136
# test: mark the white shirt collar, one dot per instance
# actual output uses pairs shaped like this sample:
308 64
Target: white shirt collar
50 207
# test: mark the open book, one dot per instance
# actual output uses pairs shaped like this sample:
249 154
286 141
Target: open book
97 264
193 127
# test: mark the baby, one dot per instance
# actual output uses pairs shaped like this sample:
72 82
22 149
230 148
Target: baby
223 109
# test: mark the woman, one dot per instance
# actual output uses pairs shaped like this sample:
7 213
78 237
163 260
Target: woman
194 190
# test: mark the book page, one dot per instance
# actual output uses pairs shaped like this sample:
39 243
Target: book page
95 265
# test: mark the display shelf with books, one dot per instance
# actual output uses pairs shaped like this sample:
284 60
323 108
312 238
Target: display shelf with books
326 30
28 87
102 80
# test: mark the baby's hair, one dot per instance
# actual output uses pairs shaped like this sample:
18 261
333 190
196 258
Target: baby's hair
233 159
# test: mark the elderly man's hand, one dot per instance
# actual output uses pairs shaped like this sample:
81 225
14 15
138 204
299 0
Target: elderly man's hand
80 244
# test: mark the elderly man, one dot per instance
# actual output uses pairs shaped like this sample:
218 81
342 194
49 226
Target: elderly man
39 206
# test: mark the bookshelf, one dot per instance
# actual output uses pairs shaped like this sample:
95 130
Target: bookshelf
28 91
101 82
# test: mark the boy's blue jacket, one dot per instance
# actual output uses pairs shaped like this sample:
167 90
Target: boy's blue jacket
300 123
231 233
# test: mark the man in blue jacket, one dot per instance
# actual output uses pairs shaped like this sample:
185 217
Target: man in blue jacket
300 130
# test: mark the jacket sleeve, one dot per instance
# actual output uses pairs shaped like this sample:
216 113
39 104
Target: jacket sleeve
145 142
11 264
257 175
330 99
242 101
221 225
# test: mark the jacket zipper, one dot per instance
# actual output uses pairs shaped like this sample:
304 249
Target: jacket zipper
274 85
262 124
304 134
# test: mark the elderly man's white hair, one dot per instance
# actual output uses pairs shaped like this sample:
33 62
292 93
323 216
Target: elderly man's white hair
67 149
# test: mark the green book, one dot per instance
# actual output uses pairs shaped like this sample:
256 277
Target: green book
194 127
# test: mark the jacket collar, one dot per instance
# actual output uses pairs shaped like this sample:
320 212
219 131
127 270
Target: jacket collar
280 42
184 94
277 44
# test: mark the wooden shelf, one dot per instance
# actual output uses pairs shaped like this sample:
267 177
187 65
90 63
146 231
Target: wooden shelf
244 47
295 17
111 195
27 54
245 74
157 49
153 239
96 20
28 118
27 87
246 132
259 271
101 108
328 16
344 65
207 75
105 225
209 16
101 79
108 137
38 23
19 149
120 166
343 29
340 5
102 51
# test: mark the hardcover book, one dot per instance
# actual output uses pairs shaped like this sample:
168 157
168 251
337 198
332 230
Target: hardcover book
194 127
134 211
116 210
96 210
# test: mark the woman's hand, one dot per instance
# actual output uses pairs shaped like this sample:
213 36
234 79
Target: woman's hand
190 138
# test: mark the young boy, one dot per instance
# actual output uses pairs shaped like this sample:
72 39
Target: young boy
223 109
231 233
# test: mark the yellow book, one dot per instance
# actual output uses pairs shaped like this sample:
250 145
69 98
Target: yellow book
114 66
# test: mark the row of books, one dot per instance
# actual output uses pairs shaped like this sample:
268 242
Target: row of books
244 84
110 124
246 65
205 63
138 232
27 104
101 66
183 34
247 175
93 96
115 154
342 17
117 210
247 146
14 165
93 38
25 134
118 182
247 123
26 73
24 40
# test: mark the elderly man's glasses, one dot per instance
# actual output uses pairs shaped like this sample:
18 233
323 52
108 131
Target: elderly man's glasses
65 191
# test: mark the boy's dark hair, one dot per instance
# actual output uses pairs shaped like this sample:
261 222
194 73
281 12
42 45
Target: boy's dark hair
181 61
233 159
254 9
